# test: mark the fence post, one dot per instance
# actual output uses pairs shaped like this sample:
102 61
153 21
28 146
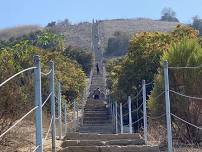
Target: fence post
137 113
82 110
130 115
144 110
116 116
167 99
74 116
110 102
65 119
59 111
121 117
52 99
77 115
38 102
113 116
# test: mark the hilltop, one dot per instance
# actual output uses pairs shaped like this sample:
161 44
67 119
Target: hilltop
79 35
6 34
132 26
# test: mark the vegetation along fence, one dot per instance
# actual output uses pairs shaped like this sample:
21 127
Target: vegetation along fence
118 114
38 108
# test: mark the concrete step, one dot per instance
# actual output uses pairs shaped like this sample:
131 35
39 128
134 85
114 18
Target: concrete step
97 84
98 121
103 112
96 113
93 108
98 78
130 148
92 118
105 137
99 131
96 101
95 104
122 142
93 129
109 125
97 116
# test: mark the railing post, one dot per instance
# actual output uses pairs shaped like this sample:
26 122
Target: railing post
130 115
137 113
77 115
144 110
65 119
116 117
113 116
110 102
82 110
167 100
74 116
121 117
38 102
52 99
59 111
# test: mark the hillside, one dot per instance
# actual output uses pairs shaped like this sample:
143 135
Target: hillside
79 35
6 34
131 26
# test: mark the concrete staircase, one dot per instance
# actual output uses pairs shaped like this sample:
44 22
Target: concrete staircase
97 118
97 132
92 142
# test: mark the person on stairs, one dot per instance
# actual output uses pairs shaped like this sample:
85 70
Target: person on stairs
98 69
97 93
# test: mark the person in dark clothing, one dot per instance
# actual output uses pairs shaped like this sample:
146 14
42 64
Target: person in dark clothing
98 69
97 93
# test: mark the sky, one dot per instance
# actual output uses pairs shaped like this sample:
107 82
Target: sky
41 12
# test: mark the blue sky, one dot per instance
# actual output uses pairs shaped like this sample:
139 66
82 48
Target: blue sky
40 12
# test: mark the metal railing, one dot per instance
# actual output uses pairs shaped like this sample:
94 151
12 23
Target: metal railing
143 108
39 105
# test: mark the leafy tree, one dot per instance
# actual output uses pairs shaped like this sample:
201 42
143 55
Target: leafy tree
82 57
143 58
168 15
113 68
186 81
51 24
17 95
41 39
51 41
142 62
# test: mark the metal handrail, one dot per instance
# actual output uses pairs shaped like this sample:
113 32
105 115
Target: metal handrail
47 99
31 68
18 121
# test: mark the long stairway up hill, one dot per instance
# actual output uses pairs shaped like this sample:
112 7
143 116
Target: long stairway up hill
97 134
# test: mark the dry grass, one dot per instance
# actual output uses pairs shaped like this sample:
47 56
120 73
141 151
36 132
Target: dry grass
132 26
157 136
22 137
6 34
